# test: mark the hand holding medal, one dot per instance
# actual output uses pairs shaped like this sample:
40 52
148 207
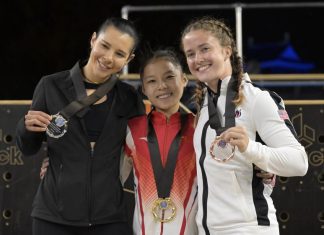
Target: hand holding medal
221 150
236 136
223 147
37 121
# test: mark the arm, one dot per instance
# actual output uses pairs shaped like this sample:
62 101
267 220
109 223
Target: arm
30 130
126 166
126 162
282 155
43 170
267 177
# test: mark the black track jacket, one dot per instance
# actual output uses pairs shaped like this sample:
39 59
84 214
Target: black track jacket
82 185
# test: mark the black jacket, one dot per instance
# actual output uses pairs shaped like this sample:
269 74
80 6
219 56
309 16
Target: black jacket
82 185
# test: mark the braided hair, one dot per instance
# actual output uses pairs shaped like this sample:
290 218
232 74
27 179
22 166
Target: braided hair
223 33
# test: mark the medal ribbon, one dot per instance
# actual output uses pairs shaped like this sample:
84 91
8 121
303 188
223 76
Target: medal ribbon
214 120
164 175
77 105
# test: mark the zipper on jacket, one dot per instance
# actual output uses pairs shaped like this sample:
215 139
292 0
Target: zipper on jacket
90 184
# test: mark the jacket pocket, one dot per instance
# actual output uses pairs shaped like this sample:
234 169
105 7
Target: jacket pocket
240 197
72 202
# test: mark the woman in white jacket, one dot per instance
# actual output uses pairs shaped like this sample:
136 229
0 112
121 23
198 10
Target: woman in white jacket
231 112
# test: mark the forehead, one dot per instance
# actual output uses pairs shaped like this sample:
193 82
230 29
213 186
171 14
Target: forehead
161 65
114 36
198 37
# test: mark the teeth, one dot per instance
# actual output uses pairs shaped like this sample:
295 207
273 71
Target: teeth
203 68
164 96
103 66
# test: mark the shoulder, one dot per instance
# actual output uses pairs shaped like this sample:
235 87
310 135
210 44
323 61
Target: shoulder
127 93
137 120
49 81
125 87
137 126
191 118
249 90
128 100
57 75
254 95
190 127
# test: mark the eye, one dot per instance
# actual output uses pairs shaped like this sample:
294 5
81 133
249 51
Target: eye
120 54
190 55
105 46
150 81
205 49
169 77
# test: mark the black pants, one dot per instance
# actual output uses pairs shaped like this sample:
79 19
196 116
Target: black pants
42 227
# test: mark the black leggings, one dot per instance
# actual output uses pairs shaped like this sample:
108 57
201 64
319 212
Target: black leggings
42 227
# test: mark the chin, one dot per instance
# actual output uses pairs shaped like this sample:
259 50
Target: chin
202 79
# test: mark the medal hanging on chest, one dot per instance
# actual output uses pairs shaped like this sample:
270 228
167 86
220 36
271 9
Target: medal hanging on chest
163 208
220 150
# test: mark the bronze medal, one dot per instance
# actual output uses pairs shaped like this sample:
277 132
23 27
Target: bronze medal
221 151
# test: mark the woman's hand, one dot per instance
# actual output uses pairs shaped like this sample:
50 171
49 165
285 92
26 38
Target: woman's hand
37 121
43 170
236 136
267 177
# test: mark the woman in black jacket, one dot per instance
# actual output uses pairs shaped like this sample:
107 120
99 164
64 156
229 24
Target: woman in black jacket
81 192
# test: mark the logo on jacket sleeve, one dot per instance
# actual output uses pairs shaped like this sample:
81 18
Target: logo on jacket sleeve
238 113
283 114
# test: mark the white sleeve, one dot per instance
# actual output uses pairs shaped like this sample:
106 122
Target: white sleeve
126 166
126 162
282 155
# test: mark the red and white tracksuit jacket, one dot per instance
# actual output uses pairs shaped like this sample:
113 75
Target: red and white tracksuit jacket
184 188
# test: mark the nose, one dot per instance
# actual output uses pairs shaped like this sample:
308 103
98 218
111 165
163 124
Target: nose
162 85
108 57
198 57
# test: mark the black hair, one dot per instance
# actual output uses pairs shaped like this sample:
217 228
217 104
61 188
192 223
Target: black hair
167 54
122 25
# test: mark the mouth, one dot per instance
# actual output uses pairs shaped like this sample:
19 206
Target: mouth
103 66
203 68
164 96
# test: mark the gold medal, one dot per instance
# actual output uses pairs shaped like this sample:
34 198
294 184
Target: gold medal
221 151
163 210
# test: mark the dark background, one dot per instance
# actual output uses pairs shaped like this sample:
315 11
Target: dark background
42 37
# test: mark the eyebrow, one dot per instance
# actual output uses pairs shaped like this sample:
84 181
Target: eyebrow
119 50
169 72
153 76
199 46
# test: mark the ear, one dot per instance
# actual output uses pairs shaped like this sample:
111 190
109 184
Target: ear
228 52
185 80
93 39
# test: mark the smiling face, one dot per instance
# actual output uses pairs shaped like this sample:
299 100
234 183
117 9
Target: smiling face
111 51
207 59
163 84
